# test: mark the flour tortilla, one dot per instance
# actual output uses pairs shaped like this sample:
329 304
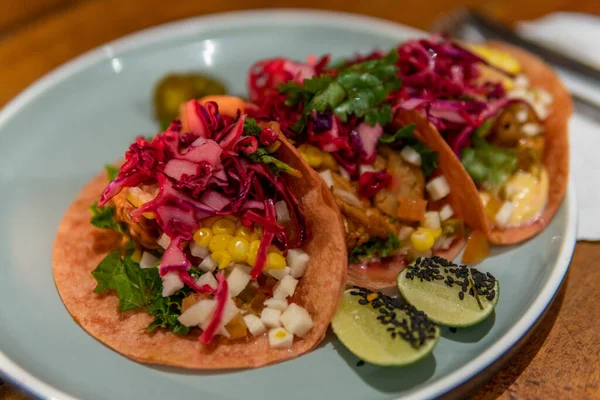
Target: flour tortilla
79 247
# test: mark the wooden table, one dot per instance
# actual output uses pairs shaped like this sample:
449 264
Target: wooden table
560 359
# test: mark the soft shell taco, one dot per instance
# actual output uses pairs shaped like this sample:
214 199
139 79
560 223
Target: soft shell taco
212 252
498 117
394 199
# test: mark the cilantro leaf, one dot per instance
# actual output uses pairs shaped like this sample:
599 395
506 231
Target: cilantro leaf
251 127
261 155
487 164
166 310
375 248
134 286
358 90
104 218
112 171
429 158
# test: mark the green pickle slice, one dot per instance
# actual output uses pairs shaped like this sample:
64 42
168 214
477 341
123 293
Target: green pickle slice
450 294
382 330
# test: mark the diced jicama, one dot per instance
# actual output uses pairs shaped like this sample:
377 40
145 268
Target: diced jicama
238 280
432 220
446 212
148 260
438 188
254 324
296 320
297 260
198 251
285 287
279 338
411 155
207 279
198 314
270 317
171 283
276 304
207 265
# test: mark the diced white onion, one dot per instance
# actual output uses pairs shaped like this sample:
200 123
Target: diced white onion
504 213
171 283
347 197
521 81
198 251
446 212
207 265
297 260
405 232
148 260
254 324
164 241
285 287
296 320
270 317
521 116
279 273
327 177
279 338
438 188
410 155
432 220
276 304
207 279
237 280
283 214
198 313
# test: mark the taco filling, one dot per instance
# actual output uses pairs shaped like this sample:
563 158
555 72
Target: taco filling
490 116
392 195
213 238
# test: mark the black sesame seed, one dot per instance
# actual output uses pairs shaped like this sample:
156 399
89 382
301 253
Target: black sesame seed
439 277
363 302
491 296
453 330
360 363
461 295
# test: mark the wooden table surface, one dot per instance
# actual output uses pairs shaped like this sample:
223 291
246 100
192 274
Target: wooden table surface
560 359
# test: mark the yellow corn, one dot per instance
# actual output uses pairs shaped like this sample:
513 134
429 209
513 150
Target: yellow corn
252 252
203 236
223 226
137 197
222 258
137 255
422 240
274 249
219 242
208 222
244 232
238 249
257 233
275 261
231 218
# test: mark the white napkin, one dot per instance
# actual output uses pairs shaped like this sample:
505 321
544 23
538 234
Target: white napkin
578 35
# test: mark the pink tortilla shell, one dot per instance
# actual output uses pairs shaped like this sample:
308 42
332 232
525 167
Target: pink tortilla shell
79 247
464 196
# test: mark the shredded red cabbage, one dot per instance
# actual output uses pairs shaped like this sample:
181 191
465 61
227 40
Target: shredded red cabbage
201 173
370 183
221 296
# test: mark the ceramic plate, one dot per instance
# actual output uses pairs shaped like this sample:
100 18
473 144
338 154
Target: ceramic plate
61 131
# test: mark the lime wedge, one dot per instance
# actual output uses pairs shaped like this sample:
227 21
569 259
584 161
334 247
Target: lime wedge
382 330
450 294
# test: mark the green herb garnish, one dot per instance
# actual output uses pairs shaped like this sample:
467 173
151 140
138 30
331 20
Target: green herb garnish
359 89
406 134
487 164
112 171
375 248
104 218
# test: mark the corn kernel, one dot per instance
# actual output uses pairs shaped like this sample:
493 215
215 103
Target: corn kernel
203 236
208 222
238 248
244 232
219 242
253 252
231 218
274 249
137 255
257 232
224 226
435 232
497 58
275 261
222 258
422 240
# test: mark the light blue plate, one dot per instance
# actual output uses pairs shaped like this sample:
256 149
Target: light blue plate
60 132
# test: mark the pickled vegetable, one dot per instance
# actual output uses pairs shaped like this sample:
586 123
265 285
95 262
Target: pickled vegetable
175 89
237 327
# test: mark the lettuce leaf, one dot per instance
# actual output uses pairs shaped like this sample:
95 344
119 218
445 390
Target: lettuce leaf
104 218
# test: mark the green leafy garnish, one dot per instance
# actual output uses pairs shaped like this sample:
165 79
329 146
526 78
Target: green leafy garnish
166 310
135 286
375 248
104 218
429 158
112 171
487 164
251 127
359 89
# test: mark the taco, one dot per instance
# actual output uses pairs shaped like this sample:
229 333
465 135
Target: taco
394 198
498 117
205 249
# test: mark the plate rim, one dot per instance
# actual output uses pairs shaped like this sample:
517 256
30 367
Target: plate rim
298 16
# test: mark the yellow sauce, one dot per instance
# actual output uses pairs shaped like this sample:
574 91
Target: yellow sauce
529 194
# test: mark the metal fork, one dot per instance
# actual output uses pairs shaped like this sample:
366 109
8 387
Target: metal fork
470 25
